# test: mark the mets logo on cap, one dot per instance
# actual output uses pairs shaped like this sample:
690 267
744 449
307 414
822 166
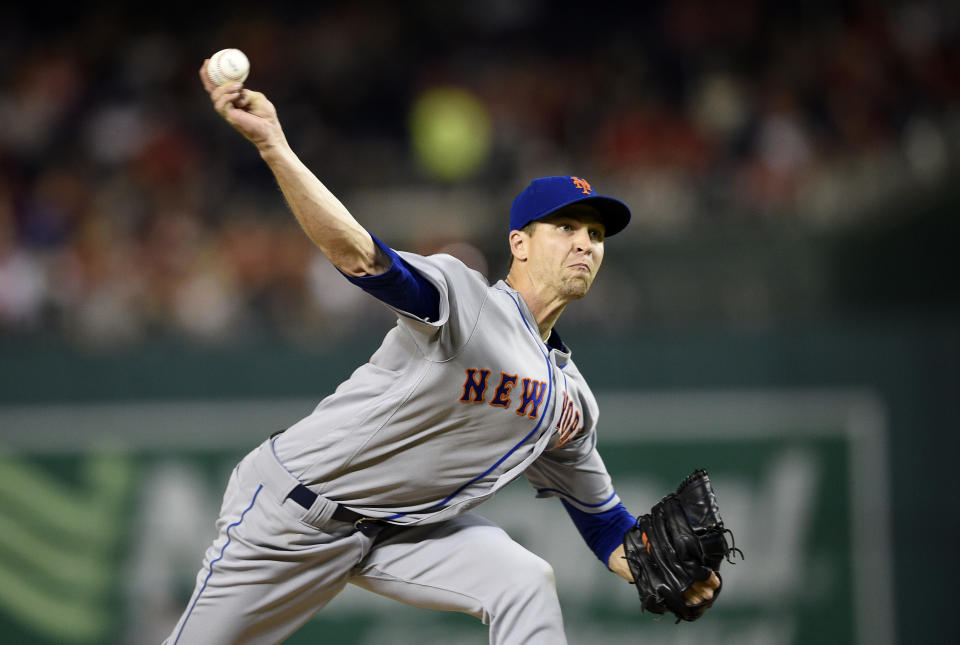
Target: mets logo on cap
546 195
582 184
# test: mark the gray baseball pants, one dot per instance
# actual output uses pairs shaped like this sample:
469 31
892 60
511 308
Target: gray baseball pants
275 564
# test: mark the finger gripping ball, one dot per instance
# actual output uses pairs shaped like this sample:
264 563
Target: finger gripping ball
228 66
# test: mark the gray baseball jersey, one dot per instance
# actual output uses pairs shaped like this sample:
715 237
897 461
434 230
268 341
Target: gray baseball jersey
446 412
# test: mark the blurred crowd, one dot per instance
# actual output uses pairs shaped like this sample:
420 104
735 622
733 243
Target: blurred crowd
129 211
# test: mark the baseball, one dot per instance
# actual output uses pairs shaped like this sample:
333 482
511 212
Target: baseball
228 66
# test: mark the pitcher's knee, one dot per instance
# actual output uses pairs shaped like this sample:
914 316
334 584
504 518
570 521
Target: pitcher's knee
529 578
526 610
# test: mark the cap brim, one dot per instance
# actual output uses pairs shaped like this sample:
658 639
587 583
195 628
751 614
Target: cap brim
614 213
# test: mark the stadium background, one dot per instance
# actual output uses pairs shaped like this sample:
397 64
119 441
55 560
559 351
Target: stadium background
782 298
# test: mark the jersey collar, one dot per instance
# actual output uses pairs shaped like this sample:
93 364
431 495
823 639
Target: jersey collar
554 342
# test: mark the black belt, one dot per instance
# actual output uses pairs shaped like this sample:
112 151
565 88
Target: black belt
367 525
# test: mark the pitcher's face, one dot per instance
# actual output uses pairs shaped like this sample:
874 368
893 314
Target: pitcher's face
565 251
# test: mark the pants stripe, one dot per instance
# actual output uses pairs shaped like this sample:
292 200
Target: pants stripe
217 559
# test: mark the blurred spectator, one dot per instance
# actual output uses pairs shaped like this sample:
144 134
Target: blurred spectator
21 276
127 210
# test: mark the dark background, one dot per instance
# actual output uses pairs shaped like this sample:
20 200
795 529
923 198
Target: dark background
793 174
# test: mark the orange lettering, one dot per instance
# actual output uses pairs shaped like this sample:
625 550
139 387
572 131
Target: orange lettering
582 185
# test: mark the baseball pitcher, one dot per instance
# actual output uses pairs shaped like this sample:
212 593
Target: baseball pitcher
472 388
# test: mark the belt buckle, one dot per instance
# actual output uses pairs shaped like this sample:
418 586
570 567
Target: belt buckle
366 524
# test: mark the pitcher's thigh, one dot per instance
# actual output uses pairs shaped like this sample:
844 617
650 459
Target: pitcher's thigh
263 577
470 565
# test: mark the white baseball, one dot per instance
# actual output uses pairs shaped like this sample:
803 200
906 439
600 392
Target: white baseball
228 66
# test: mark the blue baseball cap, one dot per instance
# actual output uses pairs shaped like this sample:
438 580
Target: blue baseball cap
547 195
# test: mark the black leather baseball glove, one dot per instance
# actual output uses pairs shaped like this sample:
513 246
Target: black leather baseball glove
681 541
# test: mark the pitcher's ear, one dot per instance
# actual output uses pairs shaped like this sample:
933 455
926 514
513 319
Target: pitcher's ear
519 245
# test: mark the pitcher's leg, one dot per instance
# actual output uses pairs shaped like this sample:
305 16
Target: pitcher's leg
266 574
470 565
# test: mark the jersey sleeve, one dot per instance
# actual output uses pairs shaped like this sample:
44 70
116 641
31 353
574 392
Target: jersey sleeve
461 294
576 474
401 287
437 298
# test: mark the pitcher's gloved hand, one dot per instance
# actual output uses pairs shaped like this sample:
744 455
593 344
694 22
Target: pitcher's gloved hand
681 541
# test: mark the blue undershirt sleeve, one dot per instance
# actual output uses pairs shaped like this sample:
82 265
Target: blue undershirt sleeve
603 532
401 286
